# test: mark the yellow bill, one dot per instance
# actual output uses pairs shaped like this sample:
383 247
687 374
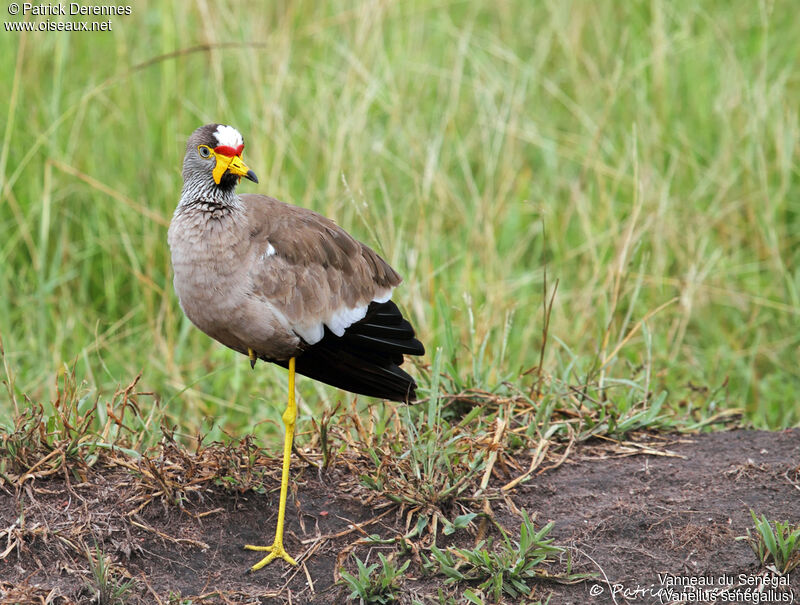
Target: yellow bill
233 164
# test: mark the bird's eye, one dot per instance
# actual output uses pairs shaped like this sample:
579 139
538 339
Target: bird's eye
204 151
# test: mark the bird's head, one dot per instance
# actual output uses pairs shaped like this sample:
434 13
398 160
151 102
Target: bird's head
214 153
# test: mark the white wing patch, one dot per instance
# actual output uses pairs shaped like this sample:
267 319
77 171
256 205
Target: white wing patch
270 251
344 318
384 297
338 322
312 334
228 136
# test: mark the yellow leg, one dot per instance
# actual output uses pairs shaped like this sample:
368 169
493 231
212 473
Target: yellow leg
277 550
253 358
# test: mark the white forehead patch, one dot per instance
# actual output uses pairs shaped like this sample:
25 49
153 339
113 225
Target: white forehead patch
228 136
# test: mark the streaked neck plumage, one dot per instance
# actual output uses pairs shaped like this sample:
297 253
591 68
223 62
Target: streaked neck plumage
206 229
205 196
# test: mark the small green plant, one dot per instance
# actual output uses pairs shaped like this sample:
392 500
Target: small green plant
376 584
108 588
504 570
429 464
72 430
781 545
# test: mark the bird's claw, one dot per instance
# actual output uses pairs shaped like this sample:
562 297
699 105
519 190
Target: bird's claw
275 551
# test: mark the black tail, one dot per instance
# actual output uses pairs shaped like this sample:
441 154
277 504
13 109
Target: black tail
366 359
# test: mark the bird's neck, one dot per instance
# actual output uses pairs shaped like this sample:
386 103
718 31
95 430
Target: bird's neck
207 223
209 198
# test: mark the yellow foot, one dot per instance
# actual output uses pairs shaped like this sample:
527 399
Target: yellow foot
275 551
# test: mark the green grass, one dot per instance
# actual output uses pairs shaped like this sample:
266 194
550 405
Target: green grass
376 584
105 586
502 571
779 545
643 152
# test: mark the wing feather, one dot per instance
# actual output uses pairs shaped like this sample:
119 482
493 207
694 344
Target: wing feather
334 293
311 270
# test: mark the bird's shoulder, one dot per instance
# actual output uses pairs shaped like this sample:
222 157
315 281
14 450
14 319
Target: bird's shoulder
304 238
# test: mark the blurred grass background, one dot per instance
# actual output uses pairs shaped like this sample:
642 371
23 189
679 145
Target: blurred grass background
646 153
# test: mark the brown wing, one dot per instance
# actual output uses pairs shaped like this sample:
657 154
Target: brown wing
312 270
335 294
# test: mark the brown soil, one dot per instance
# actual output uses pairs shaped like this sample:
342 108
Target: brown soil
626 518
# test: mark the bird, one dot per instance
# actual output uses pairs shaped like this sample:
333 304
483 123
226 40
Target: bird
286 285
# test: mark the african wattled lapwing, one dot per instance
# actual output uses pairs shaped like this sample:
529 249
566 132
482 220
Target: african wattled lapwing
286 285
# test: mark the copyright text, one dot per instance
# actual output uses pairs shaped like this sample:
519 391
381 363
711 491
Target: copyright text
70 9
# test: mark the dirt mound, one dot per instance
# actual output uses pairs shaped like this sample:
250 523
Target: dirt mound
647 525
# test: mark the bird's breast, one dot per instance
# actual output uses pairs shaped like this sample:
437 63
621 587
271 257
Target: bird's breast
215 292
